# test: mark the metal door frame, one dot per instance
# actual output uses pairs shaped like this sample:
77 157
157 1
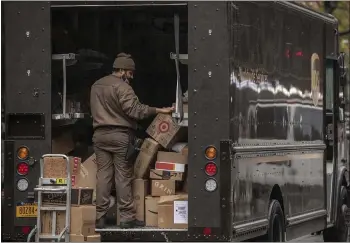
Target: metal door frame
27 80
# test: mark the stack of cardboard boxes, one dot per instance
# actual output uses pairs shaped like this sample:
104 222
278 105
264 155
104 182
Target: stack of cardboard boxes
82 224
159 188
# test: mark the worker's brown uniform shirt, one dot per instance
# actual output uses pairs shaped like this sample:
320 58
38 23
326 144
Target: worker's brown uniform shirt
114 105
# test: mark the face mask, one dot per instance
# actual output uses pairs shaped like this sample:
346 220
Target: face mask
127 80
124 78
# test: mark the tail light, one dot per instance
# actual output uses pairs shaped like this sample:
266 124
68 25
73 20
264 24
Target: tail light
207 231
22 184
210 169
22 168
23 153
210 152
211 185
26 230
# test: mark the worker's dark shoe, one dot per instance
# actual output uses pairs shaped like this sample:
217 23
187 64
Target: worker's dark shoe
132 224
100 223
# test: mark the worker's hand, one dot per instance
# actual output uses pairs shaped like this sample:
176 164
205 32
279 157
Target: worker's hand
166 110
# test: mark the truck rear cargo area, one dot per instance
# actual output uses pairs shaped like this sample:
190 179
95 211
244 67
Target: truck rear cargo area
85 42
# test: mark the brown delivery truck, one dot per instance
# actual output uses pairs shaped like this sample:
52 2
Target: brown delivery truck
256 88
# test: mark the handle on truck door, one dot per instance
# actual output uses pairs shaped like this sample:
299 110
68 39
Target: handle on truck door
43 189
178 104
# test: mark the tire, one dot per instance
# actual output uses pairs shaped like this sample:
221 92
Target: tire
339 232
277 228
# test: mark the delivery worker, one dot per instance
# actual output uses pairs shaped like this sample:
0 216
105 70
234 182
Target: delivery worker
115 110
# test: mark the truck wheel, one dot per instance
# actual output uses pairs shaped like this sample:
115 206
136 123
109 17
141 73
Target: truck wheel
339 232
277 228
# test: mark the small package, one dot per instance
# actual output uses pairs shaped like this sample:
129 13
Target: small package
166 175
165 130
140 191
171 161
87 175
172 157
81 238
163 187
56 167
82 221
151 211
168 166
79 196
184 151
173 212
146 157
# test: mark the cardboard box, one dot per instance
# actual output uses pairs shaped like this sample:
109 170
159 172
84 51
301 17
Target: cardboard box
87 175
181 148
163 187
140 191
168 166
178 147
88 170
146 157
57 168
166 175
184 151
173 212
185 186
93 238
45 222
76 238
152 211
172 157
81 238
82 221
165 131
171 161
79 196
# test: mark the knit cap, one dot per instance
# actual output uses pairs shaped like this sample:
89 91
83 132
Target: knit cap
124 61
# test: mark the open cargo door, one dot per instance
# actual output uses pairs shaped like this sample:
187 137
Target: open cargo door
27 37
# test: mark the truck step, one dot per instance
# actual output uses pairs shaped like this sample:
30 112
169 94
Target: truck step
137 229
50 237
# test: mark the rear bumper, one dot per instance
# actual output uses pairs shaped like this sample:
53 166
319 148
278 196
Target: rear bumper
154 234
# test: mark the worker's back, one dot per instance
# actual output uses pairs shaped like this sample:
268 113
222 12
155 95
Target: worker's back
106 109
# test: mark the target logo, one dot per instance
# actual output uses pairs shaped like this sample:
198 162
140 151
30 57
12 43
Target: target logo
164 127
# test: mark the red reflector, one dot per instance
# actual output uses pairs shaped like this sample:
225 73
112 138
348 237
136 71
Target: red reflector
299 54
22 168
25 230
287 53
207 231
211 169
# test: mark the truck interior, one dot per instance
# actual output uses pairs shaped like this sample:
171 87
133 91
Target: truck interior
86 40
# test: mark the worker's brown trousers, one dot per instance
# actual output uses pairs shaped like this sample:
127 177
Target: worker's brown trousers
111 149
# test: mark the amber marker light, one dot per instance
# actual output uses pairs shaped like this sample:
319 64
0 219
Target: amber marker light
23 153
210 152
